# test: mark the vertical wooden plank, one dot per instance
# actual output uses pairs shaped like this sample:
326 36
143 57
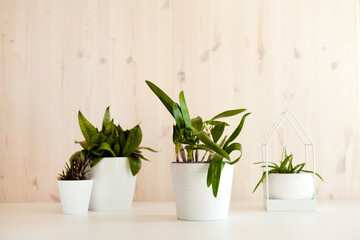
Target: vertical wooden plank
154 45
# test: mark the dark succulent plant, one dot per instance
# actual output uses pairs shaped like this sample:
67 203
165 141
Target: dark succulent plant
286 167
78 168
192 135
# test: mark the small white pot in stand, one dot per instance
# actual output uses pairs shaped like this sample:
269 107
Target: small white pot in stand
75 195
291 186
114 185
194 200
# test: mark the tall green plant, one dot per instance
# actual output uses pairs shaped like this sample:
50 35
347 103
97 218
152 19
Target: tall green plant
112 141
286 167
192 135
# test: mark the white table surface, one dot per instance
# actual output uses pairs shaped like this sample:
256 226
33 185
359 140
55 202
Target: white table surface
157 220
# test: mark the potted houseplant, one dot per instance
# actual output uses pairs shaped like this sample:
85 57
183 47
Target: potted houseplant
288 181
115 160
202 160
74 187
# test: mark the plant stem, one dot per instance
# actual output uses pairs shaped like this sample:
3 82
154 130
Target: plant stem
202 159
210 157
182 153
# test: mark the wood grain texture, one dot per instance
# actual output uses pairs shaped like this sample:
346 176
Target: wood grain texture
57 57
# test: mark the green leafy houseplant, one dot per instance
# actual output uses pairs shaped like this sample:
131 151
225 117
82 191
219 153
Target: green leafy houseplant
286 167
112 141
78 168
192 135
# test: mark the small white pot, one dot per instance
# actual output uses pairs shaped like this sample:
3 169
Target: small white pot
291 186
194 200
114 185
75 195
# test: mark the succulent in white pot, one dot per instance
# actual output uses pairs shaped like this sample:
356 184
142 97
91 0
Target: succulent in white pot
202 160
74 186
288 181
115 161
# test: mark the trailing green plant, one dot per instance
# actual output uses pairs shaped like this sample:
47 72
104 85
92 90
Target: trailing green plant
286 167
78 168
112 141
192 135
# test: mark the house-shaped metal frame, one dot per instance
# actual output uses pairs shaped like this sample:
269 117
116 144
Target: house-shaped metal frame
290 205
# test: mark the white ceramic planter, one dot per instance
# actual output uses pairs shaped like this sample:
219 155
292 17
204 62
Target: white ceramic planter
75 196
114 185
291 186
194 200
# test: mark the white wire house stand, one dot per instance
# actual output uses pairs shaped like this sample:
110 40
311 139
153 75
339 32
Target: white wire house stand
290 205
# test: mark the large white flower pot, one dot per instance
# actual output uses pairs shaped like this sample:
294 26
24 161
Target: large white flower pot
194 200
75 195
291 186
114 185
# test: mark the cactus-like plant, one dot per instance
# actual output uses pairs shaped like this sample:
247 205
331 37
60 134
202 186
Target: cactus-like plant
78 168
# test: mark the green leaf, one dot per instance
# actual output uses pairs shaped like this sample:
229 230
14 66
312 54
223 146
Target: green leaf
122 138
217 167
74 155
217 131
95 160
178 116
147 148
210 175
207 141
228 113
283 164
299 167
269 166
110 132
290 167
135 164
164 98
97 139
87 129
265 163
176 134
105 146
197 123
216 123
97 152
109 128
235 161
307 171
132 141
139 155
83 144
106 119
184 110
203 147
234 147
260 181
117 148
319 176
236 131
